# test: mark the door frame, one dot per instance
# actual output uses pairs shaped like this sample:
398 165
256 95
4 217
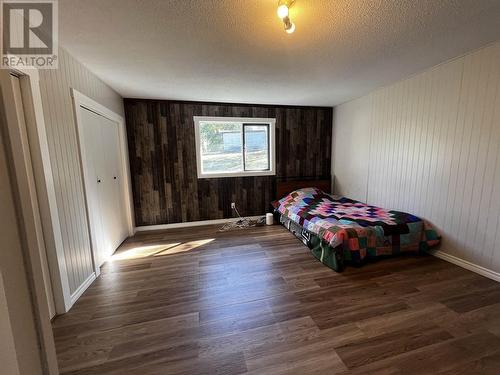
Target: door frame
42 170
36 203
82 101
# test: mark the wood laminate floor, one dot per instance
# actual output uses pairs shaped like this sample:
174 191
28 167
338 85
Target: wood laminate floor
196 301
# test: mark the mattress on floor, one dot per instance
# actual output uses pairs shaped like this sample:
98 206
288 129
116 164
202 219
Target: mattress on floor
347 231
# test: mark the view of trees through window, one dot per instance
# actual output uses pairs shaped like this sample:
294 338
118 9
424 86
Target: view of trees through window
234 147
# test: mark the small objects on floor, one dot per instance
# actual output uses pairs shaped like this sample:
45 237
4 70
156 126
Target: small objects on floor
269 219
243 223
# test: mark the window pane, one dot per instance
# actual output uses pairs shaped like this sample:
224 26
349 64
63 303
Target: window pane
221 147
256 147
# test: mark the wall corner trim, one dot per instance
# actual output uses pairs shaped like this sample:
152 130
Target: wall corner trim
490 274
82 288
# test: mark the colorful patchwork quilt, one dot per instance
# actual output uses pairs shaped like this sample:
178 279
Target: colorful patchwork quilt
361 230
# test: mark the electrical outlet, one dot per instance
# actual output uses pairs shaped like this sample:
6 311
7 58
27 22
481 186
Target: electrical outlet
233 205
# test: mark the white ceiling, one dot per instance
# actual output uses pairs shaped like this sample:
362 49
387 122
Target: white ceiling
237 51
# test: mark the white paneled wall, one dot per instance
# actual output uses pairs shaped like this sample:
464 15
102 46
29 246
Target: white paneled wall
351 168
433 151
60 125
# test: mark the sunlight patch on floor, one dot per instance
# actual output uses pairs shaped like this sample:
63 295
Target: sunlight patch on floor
183 247
159 250
142 251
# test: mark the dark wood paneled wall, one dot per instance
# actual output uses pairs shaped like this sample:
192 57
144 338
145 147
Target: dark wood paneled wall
162 154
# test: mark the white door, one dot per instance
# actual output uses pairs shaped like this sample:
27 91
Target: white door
105 188
115 189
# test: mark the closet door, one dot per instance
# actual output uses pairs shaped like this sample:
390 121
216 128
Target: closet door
92 148
106 187
113 196
119 187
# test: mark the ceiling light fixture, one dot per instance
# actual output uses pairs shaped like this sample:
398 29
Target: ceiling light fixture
284 14
282 11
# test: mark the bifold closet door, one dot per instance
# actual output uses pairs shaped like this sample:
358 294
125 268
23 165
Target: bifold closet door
92 149
112 197
105 188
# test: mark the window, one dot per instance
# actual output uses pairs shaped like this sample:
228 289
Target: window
231 147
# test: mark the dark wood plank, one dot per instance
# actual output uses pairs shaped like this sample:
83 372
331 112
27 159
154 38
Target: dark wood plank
257 301
372 349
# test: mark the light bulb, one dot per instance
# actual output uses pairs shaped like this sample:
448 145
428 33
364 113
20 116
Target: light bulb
282 11
290 28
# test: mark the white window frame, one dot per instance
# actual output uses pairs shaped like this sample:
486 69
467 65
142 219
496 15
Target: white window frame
243 120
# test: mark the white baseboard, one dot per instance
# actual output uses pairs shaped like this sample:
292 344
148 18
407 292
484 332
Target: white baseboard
467 265
82 288
191 224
